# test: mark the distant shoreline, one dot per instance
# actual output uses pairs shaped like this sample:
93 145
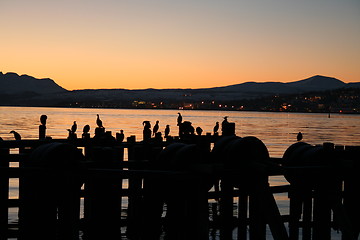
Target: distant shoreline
199 109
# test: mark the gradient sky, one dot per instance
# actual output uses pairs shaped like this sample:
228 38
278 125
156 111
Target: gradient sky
179 44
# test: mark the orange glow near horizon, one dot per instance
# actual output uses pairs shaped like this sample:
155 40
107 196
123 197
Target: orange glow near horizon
117 44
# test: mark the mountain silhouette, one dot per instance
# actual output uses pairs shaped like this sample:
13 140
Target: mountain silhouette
26 90
315 83
12 83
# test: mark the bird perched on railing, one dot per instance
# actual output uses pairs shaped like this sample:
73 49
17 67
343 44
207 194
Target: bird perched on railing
120 136
167 130
99 122
86 131
199 131
216 127
299 136
156 128
146 130
74 127
179 119
16 135
71 134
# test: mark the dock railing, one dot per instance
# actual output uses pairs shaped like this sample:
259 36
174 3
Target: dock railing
183 189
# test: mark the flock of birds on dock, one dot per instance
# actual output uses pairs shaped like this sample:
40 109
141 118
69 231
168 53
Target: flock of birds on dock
99 123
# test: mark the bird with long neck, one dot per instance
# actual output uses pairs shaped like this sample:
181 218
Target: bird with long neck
74 127
179 119
99 122
16 135
156 127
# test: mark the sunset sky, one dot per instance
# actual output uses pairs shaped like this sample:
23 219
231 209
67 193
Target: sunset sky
179 44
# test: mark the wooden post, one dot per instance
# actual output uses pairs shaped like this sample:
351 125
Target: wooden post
103 199
4 193
296 201
187 213
119 158
257 211
322 216
197 212
226 209
307 214
242 215
99 131
275 222
154 198
322 198
136 154
229 129
154 194
351 188
50 202
42 131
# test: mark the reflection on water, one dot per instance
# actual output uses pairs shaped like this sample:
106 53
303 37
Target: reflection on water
276 130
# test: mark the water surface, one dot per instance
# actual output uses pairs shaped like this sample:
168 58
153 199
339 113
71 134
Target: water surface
277 130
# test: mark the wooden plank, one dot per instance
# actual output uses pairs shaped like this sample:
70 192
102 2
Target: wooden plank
4 194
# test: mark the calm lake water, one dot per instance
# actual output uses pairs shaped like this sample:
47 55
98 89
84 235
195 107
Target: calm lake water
277 130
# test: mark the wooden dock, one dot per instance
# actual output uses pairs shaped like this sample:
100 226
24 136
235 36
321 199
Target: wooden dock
200 179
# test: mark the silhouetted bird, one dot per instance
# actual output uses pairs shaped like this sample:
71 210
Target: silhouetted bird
179 119
156 128
167 130
74 127
43 119
299 136
16 135
121 136
199 131
146 124
99 122
224 123
216 128
146 130
225 119
70 133
86 129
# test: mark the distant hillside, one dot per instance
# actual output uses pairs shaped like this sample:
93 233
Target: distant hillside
12 83
315 83
25 90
